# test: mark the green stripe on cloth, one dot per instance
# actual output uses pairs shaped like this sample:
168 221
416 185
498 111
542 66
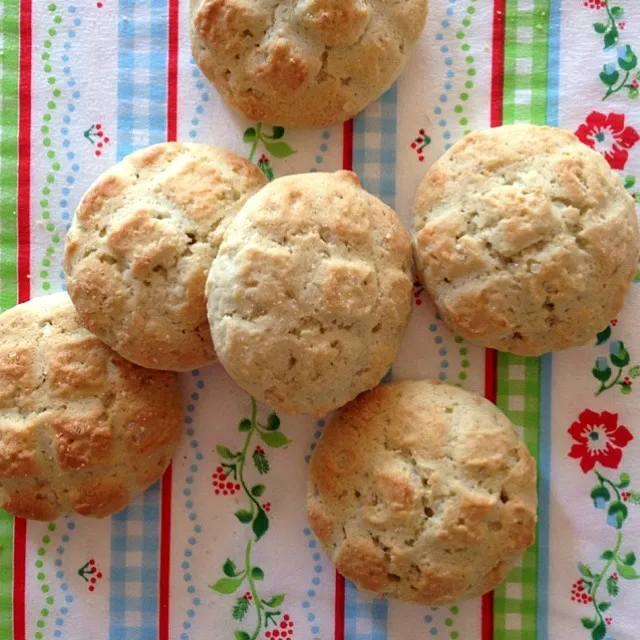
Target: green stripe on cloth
9 77
9 34
525 100
526 61
518 395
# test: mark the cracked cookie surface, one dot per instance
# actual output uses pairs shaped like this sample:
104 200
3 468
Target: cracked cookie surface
303 63
81 429
422 492
310 293
525 238
141 245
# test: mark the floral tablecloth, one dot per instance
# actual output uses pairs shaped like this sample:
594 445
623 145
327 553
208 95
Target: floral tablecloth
221 547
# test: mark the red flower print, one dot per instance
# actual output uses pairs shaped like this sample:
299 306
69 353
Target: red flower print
608 135
599 439
594 4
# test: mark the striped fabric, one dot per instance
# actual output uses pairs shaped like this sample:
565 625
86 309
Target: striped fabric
518 396
142 65
530 53
365 616
134 569
374 160
142 120
374 146
9 78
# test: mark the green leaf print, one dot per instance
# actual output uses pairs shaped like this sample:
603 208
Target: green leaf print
278 149
619 512
257 573
609 78
621 357
628 59
604 335
257 490
599 632
244 516
601 374
612 587
274 439
610 38
261 462
229 568
240 609
225 452
276 601
250 135
227 585
628 573
263 613
588 623
260 524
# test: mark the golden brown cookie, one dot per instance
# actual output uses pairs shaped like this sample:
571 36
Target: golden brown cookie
307 63
525 238
310 293
141 245
422 492
81 430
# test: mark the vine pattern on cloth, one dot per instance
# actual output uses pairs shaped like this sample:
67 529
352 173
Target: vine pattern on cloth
599 440
621 75
230 477
618 360
273 144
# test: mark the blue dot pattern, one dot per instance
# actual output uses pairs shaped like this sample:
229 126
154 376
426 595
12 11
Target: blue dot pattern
449 73
189 503
307 605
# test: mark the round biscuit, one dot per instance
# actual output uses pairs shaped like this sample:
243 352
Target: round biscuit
141 244
310 293
81 429
303 63
525 238
422 492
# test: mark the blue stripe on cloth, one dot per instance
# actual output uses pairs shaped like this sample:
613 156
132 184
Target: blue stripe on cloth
544 471
142 120
374 146
546 368
374 160
365 617
133 602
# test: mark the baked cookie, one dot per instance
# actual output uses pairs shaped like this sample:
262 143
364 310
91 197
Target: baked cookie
81 430
525 238
141 245
303 63
310 293
422 492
